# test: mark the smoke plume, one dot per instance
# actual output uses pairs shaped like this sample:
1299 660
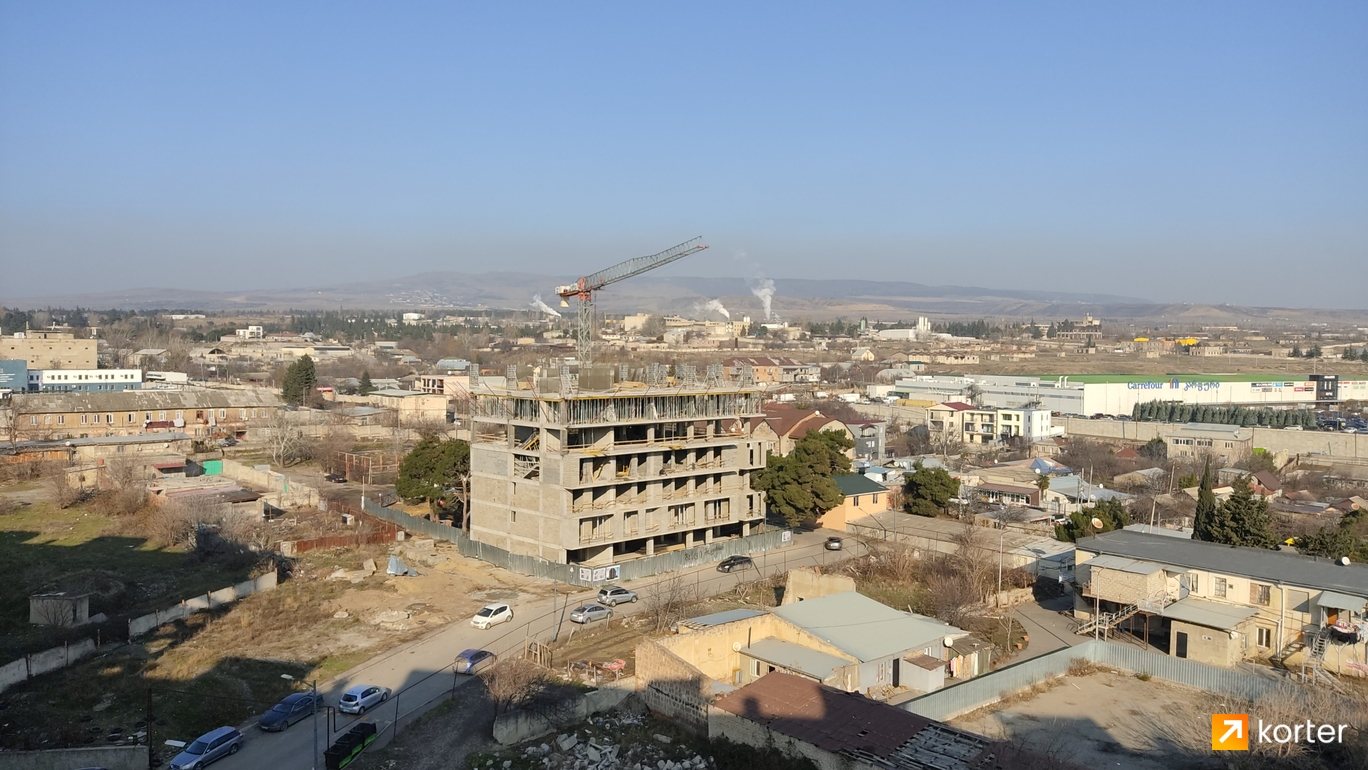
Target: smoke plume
702 309
542 306
764 289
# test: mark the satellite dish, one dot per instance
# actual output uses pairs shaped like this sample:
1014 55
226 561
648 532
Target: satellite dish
1096 523
949 641
1344 560
736 646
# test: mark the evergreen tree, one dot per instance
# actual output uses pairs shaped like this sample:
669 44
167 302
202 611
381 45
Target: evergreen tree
432 472
1248 518
299 382
1296 351
926 491
801 486
1210 523
1111 513
365 388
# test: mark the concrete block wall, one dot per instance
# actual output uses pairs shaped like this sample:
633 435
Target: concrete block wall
141 625
672 688
517 726
724 724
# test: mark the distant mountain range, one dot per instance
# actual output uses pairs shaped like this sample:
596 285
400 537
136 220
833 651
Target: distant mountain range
792 298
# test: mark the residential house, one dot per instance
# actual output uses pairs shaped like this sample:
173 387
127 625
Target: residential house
1225 443
837 730
773 369
844 640
1261 482
1145 478
1221 604
870 437
863 497
862 354
790 424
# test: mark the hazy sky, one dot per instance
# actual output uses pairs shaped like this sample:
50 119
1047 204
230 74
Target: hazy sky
1207 152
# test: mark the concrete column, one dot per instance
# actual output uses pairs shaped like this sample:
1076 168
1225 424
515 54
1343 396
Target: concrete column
650 546
689 539
745 528
708 534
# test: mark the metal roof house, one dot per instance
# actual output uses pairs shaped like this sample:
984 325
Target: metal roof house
1223 604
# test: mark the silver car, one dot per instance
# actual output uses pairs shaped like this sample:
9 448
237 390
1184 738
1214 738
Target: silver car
588 613
207 748
361 697
615 595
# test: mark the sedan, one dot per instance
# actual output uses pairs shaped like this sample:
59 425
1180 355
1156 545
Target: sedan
734 563
207 748
287 712
474 661
361 697
336 478
832 544
615 595
492 615
588 613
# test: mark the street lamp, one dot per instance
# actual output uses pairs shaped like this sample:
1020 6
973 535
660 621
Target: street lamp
313 754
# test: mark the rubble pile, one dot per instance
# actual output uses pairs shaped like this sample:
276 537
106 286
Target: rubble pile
604 744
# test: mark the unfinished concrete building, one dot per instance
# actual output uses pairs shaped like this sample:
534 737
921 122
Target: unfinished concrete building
595 470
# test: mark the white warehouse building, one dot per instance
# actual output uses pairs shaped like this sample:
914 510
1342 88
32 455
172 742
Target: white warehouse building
1118 394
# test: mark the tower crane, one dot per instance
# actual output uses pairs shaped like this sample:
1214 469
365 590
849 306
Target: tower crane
584 288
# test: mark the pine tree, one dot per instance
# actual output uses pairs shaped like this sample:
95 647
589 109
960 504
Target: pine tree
365 388
1210 523
299 382
1296 351
1248 518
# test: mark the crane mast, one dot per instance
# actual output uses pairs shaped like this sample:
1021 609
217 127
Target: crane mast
583 289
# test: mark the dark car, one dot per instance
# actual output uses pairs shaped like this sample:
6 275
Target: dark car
734 563
474 661
832 544
336 478
290 710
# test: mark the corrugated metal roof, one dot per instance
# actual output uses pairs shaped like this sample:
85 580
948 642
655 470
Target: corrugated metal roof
1216 615
147 400
858 485
1272 566
718 618
1339 601
864 628
795 657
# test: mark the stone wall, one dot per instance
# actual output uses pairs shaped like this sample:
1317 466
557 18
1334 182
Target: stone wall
724 724
672 688
107 757
517 726
1293 442
802 584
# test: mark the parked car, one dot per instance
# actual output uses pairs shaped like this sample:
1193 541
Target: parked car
361 697
492 615
734 563
833 543
588 613
474 661
290 710
208 748
615 595
336 478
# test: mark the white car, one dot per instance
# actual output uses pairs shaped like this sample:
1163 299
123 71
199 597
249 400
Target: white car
492 615
361 697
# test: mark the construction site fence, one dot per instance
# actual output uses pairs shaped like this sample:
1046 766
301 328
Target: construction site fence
988 689
373 531
573 574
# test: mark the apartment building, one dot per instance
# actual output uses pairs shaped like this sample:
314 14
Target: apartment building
1225 443
1219 604
596 474
199 413
51 350
83 380
958 422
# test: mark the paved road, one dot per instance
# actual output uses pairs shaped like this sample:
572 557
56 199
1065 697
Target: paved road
420 672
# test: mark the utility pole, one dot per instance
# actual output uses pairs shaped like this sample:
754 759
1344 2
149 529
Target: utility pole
313 687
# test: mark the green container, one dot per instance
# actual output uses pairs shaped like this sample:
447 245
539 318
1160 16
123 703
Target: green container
212 467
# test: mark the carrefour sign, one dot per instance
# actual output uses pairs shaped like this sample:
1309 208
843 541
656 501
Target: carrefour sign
1174 384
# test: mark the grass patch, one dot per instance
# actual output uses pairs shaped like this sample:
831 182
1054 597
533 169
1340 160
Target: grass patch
45 548
894 593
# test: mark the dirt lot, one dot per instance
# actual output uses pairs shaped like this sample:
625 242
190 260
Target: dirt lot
314 625
1107 720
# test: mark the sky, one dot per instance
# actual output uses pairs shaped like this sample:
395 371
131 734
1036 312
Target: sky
1181 152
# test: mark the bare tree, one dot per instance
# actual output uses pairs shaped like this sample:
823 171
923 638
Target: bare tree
667 601
284 441
64 492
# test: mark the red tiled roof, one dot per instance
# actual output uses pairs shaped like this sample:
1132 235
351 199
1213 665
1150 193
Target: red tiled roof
959 406
823 716
1128 453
